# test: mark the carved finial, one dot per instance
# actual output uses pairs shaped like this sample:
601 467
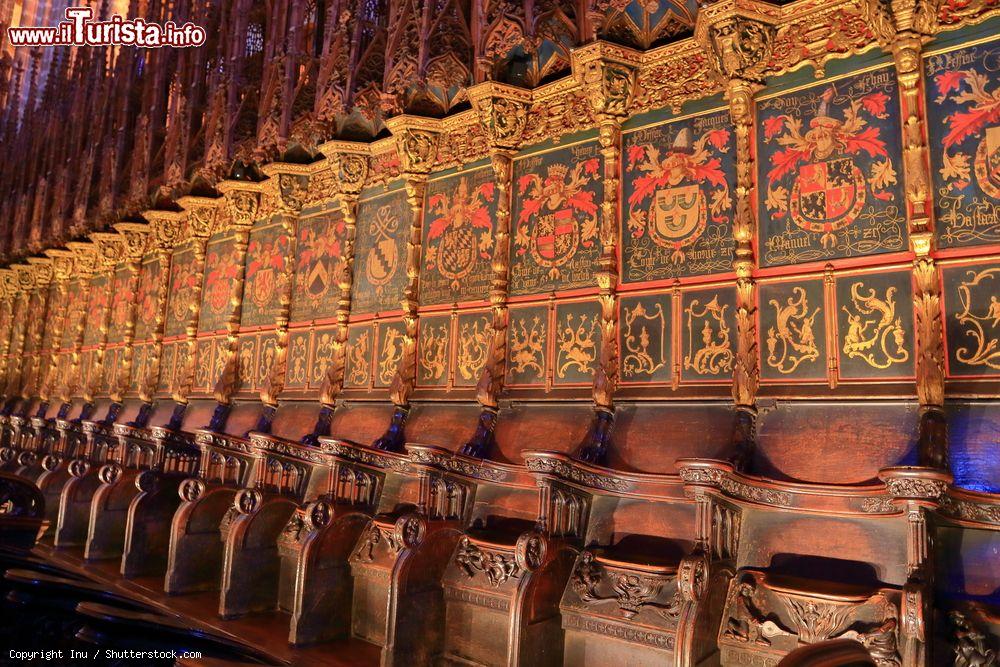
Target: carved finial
110 249
502 111
349 164
737 36
607 74
62 263
84 257
416 142
202 217
135 236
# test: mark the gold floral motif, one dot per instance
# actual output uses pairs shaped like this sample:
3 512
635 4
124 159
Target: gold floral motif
987 352
434 351
878 341
791 340
713 353
297 361
473 346
322 355
577 345
645 343
527 345
359 360
391 354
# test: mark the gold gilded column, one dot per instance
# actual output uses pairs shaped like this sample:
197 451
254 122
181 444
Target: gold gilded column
136 240
416 144
24 284
503 115
607 74
38 319
737 37
62 274
349 166
8 303
901 29
110 250
84 265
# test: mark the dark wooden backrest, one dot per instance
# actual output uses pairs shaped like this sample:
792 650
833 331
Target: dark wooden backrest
646 525
447 425
243 417
846 442
198 414
360 422
295 419
649 438
163 410
552 427
130 410
974 444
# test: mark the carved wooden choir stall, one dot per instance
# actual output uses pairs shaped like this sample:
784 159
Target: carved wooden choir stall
503 333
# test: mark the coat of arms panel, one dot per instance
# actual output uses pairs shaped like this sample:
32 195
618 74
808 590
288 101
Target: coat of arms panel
972 319
555 219
383 230
830 181
319 265
678 207
645 333
708 334
963 113
147 297
527 345
434 350
458 238
97 305
223 271
266 276
792 330
184 282
875 325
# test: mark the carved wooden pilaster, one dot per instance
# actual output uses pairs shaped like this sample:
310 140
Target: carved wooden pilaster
289 184
41 269
416 141
110 250
901 28
349 165
9 293
245 203
62 273
503 114
738 38
203 216
608 76
136 238
24 283
166 232
84 264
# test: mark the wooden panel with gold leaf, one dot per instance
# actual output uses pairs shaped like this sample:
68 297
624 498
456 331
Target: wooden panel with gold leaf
380 252
678 206
360 354
708 334
830 181
148 296
577 342
472 345
203 365
555 216
875 325
56 318
972 318
168 359
123 288
964 127
434 345
390 351
140 365
75 306
97 304
265 276
527 345
458 243
222 275
793 330
646 338
319 261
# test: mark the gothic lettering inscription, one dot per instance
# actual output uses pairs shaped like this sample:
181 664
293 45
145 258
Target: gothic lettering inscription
434 349
473 344
875 325
646 338
972 306
222 272
265 273
964 126
380 268
829 171
793 331
578 341
526 345
709 333
678 216
555 218
458 238
319 262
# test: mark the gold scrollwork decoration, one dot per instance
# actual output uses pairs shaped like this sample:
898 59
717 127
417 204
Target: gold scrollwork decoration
709 351
645 342
434 351
527 346
874 333
391 354
577 344
975 325
792 341
473 346
360 370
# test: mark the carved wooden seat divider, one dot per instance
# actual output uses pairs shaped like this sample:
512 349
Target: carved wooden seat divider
285 475
225 465
45 438
126 459
655 563
19 436
63 441
73 519
849 563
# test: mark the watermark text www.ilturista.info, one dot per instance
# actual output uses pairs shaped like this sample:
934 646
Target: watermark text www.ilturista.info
79 29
